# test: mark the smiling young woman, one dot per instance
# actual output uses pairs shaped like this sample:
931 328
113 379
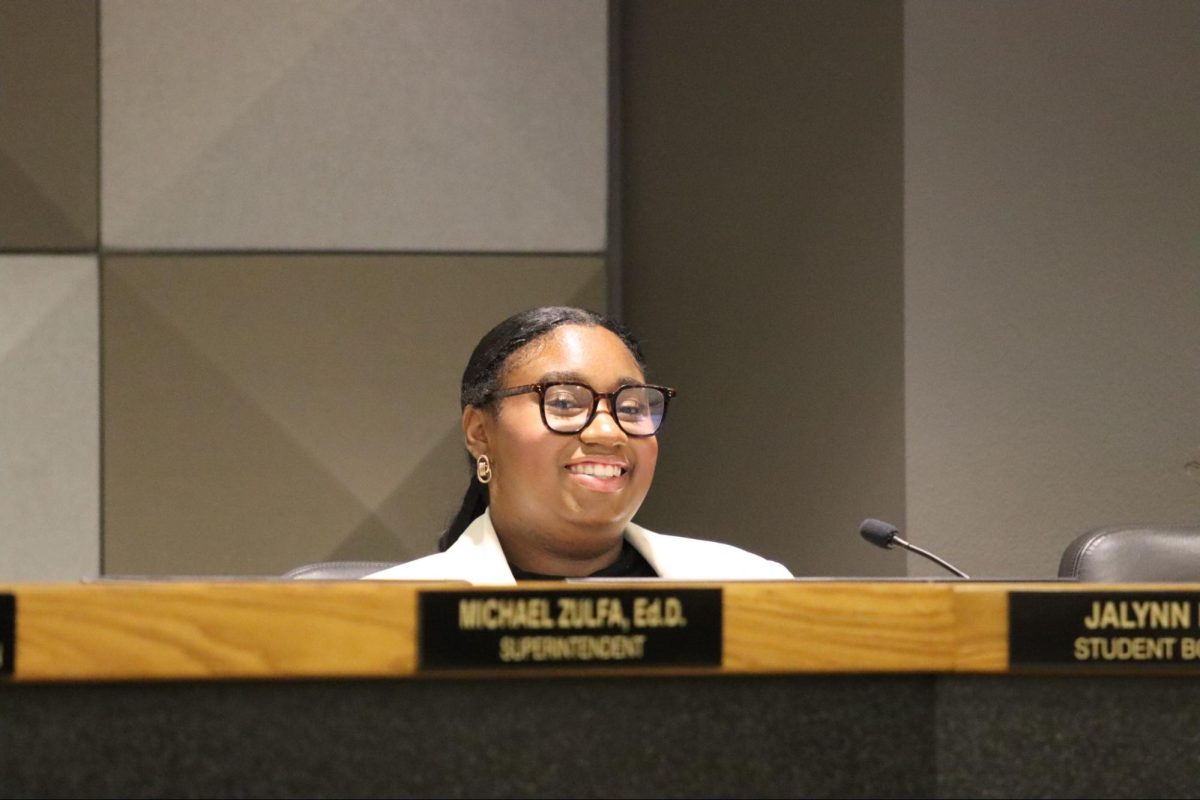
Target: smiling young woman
561 428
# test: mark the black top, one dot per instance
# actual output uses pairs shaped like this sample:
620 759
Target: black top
629 564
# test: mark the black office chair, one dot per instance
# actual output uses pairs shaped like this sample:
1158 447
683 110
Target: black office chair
336 570
1134 553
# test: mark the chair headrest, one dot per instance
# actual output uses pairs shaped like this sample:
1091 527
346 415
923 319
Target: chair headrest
1134 553
336 570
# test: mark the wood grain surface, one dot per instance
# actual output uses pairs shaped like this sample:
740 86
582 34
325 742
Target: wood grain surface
113 630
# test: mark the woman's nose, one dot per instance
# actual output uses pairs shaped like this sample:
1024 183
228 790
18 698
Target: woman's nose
603 426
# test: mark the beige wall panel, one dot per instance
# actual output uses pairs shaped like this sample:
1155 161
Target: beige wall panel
1052 274
49 418
48 125
762 242
323 124
267 411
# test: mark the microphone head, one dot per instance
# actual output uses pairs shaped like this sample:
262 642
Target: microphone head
878 532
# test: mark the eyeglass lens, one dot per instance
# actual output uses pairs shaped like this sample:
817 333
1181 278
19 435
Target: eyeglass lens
637 409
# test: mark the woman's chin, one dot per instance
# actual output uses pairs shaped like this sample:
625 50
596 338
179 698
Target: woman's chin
595 518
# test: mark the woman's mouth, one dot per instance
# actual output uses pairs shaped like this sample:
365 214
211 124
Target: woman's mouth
599 477
598 470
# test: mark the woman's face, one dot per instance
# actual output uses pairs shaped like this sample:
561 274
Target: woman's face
544 504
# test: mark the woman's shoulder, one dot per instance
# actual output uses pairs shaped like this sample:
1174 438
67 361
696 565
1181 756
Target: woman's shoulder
685 558
476 557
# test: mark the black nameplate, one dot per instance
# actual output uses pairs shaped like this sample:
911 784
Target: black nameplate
1103 630
8 634
523 629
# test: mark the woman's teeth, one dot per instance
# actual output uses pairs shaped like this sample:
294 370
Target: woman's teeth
597 470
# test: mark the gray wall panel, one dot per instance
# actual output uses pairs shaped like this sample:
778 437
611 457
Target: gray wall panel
49 418
762 242
320 124
48 125
267 411
1052 274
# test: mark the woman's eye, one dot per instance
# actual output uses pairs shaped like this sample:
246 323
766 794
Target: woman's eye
631 410
562 403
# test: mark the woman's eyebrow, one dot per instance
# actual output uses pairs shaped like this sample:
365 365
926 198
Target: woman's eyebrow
566 376
562 376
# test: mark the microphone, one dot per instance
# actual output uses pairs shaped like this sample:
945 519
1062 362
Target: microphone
887 536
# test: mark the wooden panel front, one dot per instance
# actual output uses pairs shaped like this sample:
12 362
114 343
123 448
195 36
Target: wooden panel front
213 630
279 629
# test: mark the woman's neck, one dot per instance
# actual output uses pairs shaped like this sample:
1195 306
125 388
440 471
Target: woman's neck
551 555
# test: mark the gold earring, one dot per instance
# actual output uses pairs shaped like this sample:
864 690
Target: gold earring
483 469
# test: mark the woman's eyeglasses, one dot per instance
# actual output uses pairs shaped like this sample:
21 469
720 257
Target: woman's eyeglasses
569 408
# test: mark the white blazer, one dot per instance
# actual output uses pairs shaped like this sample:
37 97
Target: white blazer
478 559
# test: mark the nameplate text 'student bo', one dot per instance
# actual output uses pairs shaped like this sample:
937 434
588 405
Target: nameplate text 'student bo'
1104 630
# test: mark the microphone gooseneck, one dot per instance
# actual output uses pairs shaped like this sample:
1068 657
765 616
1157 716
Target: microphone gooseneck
885 535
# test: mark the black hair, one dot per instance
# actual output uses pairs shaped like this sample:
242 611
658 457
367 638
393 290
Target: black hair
485 369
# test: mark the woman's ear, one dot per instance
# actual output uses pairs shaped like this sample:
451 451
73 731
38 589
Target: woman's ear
475 430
